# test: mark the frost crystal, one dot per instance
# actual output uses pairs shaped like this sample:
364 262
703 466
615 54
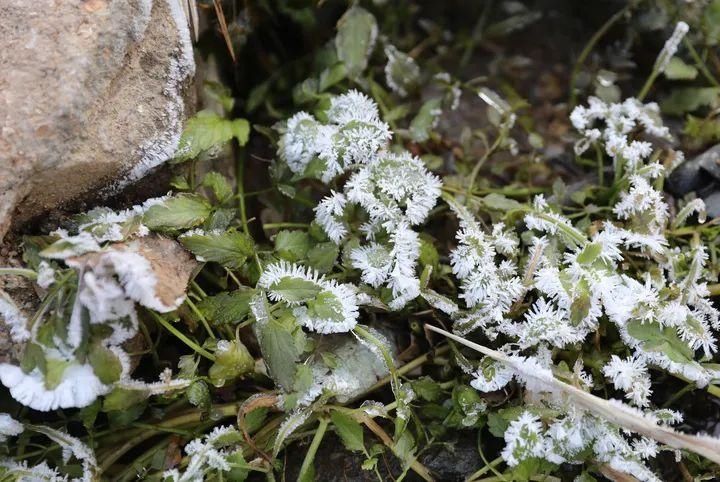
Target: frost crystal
671 46
209 453
9 427
393 188
630 376
319 304
353 136
401 70
618 121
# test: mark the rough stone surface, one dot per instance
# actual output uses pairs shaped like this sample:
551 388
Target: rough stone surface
93 94
697 172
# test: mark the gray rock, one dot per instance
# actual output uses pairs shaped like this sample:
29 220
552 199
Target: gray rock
696 173
93 95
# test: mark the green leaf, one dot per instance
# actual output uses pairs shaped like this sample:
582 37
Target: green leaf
295 290
677 69
280 352
659 339
589 253
325 306
690 99
322 256
332 75
227 307
89 414
208 130
219 185
105 364
425 120
54 373
239 470
230 249
349 430
497 425
33 357
355 40
123 398
220 219
183 211
219 93
427 388
498 202
292 245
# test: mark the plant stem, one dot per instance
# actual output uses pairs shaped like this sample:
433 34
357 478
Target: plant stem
589 48
700 64
485 469
203 320
27 273
305 469
416 466
168 326
240 180
285 225
481 161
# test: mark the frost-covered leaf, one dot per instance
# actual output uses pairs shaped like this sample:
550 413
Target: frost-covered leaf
356 34
349 430
208 130
401 71
183 211
230 249
426 120
295 290
292 245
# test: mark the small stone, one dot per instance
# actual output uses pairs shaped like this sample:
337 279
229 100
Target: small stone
73 74
696 173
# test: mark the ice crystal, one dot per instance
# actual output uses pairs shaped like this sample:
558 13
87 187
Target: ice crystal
209 453
9 427
332 308
353 136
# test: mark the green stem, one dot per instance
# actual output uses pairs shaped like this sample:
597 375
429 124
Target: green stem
589 48
221 411
481 161
648 84
285 225
700 64
240 179
305 469
181 336
487 468
203 320
27 273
